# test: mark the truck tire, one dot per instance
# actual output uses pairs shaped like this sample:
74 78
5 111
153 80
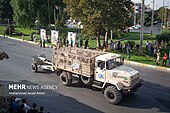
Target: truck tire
64 78
112 95
86 80
34 67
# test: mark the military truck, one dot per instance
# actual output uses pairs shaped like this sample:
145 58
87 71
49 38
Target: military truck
100 70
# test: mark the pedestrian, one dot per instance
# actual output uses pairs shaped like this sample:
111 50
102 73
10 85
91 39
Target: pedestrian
16 106
128 51
21 109
77 43
158 54
71 43
22 37
165 45
111 45
162 44
104 44
114 47
35 38
43 43
33 109
147 45
64 41
149 49
41 109
164 59
81 43
118 46
26 107
40 42
86 44
67 44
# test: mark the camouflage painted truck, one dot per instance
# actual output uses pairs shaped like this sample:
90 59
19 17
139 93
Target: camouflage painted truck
101 70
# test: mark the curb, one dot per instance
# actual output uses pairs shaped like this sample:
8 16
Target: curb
128 62
147 65
31 42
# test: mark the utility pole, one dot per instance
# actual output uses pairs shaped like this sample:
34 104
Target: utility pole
111 34
54 18
134 19
9 28
152 17
142 25
165 17
162 16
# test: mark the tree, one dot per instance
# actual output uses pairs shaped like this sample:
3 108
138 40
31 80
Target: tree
5 11
100 16
27 11
161 12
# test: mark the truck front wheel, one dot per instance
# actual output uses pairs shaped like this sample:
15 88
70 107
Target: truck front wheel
65 78
112 95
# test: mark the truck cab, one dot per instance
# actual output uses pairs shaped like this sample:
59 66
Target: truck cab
110 69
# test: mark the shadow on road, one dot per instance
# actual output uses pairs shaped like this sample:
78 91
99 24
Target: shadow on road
150 96
52 101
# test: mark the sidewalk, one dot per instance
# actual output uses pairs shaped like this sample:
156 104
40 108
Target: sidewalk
147 65
127 62
31 42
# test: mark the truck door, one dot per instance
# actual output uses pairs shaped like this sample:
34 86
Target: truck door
100 71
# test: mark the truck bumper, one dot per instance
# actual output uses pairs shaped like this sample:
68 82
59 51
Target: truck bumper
132 89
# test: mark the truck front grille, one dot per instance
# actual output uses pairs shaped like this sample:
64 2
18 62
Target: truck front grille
134 81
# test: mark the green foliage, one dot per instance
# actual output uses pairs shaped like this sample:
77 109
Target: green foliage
5 11
100 15
165 36
131 43
27 11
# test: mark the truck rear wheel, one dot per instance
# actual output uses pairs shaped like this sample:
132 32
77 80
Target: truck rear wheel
112 95
34 67
86 80
65 78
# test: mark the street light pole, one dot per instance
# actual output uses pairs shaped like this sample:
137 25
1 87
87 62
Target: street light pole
152 17
165 18
9 28
55 18
162 16
36 22
142 25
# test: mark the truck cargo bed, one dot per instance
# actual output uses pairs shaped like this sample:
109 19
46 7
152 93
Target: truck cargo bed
75 60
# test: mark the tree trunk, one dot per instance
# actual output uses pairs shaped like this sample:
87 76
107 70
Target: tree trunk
98 41
106 39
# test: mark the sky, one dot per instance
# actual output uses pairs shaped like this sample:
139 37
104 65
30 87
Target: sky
158 3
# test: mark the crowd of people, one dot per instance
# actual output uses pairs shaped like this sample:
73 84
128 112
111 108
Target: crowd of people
17 105
153 49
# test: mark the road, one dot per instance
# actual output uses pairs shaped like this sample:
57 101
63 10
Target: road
156 29
153 97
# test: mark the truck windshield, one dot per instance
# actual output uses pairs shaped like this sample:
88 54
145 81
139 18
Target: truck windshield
110 64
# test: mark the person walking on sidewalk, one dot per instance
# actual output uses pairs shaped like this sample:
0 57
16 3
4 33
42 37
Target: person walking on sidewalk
22 37
158 54
128 51
164 59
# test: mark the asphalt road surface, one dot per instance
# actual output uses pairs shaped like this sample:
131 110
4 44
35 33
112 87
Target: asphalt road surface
153 96
156 29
